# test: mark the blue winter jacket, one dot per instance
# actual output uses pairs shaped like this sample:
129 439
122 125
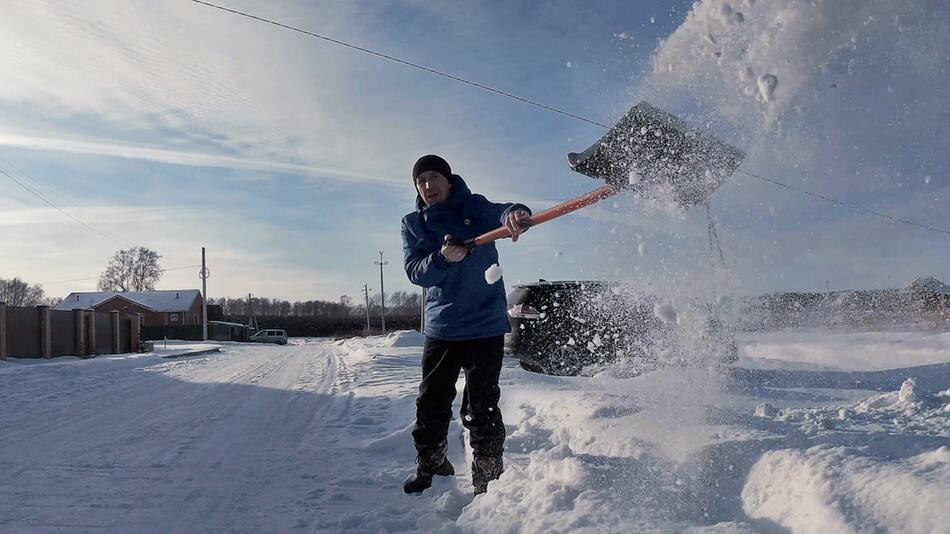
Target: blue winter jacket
460 303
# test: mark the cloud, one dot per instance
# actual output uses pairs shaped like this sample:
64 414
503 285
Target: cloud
179 157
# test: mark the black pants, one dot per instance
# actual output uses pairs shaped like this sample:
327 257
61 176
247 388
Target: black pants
441 363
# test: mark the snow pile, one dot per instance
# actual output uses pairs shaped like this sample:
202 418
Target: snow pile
909 411
837 489
403 338
493 274
546 496
865 351
676 450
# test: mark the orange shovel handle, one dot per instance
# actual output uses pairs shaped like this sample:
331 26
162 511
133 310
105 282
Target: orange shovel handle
551 213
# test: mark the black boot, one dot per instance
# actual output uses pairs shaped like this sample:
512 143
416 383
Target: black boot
484 470
422 479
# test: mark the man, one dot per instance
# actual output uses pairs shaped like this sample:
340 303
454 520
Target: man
465 319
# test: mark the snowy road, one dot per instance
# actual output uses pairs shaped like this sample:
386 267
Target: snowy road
226 442
315 437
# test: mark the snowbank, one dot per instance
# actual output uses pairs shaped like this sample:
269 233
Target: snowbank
866 351
403 338
837 489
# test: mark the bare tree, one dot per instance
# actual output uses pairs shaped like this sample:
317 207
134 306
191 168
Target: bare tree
133 269
16 292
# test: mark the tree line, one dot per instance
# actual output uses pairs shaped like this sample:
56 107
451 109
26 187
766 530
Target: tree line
16 292
398 304
139 269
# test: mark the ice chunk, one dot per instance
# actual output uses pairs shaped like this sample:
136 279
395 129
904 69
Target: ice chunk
767 85
765 410
493 274
909 392
642 249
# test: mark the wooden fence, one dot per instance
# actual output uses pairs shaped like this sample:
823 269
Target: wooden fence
42 332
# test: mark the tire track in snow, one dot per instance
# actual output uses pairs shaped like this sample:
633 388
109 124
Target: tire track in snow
192 445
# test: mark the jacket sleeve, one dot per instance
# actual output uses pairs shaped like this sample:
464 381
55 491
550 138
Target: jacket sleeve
423 269
493 213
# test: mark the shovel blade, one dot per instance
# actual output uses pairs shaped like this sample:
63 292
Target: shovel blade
655 154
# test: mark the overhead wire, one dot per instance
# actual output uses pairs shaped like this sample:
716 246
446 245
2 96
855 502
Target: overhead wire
96 277
63 201
540 105
61 210
846 204
403 62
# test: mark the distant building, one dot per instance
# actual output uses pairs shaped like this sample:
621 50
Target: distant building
173 307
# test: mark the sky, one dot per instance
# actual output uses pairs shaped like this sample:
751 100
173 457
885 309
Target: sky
173 125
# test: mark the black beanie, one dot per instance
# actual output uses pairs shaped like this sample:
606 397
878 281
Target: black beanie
431 163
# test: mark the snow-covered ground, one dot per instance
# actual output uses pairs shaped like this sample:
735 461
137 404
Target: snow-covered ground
808 432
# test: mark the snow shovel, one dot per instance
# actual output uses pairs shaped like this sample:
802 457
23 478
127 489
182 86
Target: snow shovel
650 152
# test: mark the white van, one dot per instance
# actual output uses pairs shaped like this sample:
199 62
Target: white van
270 336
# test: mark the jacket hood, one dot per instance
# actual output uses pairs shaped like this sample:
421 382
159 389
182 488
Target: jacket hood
460 193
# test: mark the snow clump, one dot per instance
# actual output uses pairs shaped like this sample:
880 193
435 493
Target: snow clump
493 274
665 313
909 391
765 410
767 84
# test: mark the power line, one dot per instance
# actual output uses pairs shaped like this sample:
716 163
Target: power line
846 205
96 277
50 192
539 105
403 62
61 210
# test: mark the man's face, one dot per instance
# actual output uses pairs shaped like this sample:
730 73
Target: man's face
433 187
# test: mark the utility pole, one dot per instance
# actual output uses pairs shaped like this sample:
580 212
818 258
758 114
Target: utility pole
249 312
382 292
366 291
204 274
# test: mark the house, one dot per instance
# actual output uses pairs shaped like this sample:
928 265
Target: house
172 307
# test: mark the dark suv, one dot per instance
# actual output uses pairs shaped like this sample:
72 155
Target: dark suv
559 328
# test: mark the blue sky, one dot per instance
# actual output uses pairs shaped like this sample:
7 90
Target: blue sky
176 126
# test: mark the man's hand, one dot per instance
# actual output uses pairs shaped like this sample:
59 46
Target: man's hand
453 253
517 222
